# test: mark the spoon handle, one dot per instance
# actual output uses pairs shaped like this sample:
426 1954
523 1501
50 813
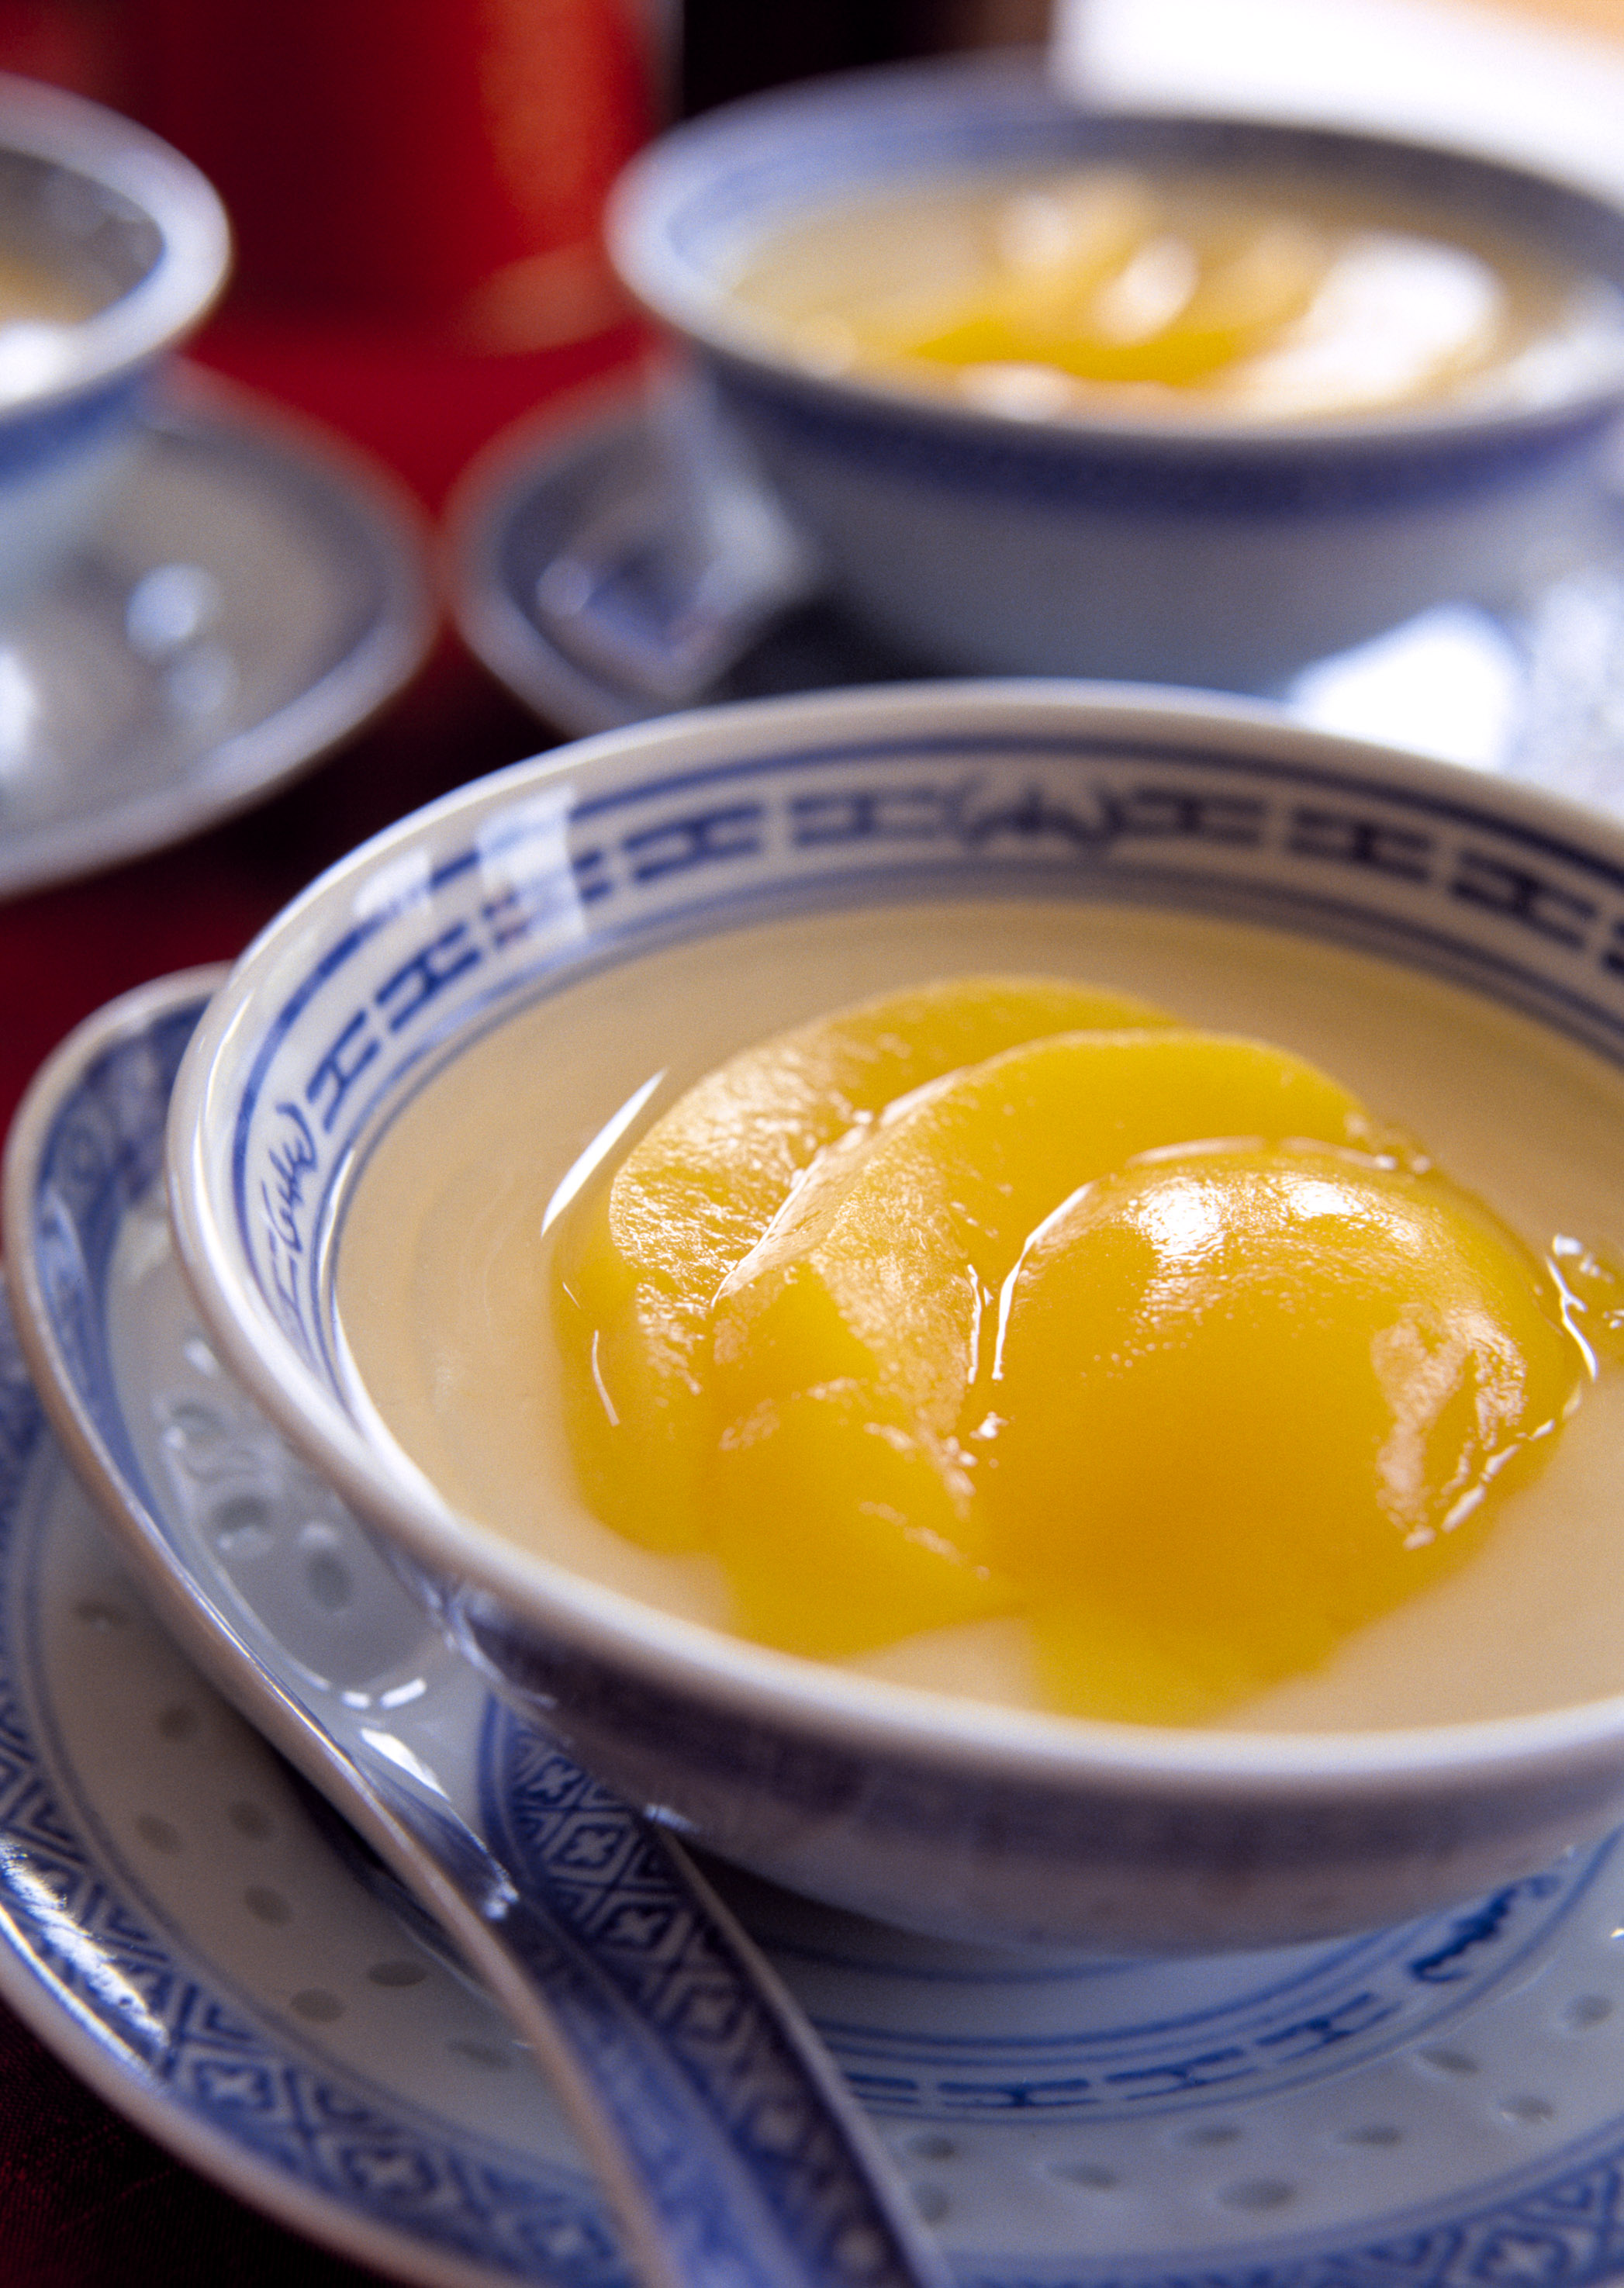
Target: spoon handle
732 2149
722 2132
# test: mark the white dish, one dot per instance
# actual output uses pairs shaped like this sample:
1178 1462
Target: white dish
1539 696
1438 2103
972 1818
256 594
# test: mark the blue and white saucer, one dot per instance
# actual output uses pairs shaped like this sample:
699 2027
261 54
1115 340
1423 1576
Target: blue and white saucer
1539 695
1440 2105
257 591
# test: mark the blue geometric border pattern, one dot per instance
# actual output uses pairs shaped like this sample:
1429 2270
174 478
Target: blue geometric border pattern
552 890
744 2175
1566 2233
69 1918
1351 2003
164 2021
897 447
603 1873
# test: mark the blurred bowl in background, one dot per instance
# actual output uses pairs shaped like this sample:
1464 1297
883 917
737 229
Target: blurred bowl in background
1195 545
112 249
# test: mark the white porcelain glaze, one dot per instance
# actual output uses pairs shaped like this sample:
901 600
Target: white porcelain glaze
953 1815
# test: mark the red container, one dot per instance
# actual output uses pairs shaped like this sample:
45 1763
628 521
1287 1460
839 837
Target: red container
441 162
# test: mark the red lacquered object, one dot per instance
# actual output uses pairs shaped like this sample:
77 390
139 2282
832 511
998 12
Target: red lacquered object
441 162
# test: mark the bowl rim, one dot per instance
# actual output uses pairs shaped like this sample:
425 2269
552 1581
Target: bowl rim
87 138
648 192
843 1709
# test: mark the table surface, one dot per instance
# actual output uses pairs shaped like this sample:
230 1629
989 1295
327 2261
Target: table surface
85 2200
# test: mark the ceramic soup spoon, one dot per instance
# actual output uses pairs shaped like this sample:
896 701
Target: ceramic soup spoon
721 2131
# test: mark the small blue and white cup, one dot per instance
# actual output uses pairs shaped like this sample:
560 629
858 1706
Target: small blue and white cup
126 237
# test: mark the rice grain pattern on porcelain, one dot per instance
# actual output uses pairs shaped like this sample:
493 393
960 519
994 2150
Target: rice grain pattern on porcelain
945 1814
720 2130
1444 2097
1196 552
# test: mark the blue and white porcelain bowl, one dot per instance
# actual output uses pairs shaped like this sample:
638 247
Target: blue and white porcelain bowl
1195 550
573 884
137 235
